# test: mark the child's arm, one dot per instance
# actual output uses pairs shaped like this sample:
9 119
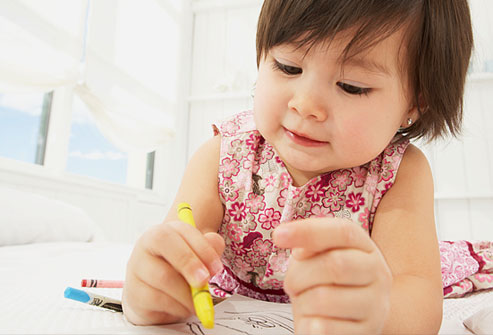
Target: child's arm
199 188
404 231
169 256
341 281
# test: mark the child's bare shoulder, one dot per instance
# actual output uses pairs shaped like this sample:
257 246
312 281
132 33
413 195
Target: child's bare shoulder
414 181
414 163
208 152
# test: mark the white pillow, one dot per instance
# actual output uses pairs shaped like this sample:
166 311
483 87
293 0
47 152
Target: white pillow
29 218
481 322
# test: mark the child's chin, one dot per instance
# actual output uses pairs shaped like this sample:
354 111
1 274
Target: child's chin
308 166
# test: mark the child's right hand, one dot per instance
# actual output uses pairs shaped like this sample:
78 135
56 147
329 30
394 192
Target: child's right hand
166 260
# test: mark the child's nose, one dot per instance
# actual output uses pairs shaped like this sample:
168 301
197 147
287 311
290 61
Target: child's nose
310 101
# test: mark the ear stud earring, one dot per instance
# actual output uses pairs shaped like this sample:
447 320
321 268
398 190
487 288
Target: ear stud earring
409 121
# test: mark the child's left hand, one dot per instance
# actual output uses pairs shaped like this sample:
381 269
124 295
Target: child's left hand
337 279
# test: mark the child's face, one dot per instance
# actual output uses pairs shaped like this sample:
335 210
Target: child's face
320 118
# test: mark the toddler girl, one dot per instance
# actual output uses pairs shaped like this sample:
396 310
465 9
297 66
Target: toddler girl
316 196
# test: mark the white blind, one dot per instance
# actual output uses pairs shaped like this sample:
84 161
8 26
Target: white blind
41 43
124 66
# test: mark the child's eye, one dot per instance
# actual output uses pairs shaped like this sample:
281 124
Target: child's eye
355 90
287 69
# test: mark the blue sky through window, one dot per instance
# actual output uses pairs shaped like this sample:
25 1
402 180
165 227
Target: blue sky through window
90 153
20 116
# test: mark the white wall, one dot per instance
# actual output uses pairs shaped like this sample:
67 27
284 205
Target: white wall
223 74
223 64
463 168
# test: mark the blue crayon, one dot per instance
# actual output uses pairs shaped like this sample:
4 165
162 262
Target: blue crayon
93 299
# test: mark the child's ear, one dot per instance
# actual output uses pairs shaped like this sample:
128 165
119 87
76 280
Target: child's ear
415 111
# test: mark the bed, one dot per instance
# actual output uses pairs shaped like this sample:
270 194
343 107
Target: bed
40 257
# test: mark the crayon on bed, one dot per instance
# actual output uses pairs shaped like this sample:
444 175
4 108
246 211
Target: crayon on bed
102 283
93 299
201 296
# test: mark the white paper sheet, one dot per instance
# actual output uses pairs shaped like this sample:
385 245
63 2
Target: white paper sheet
243 316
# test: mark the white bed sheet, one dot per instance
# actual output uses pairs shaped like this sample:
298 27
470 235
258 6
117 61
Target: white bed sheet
456 310
33 278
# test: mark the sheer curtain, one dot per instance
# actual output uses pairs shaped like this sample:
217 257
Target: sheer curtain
119 56
42 44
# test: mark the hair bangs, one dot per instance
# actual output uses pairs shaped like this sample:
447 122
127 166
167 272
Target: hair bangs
310 22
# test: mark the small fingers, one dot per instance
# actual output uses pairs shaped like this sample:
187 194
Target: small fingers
320 234
215 241
186 249
336 267
322 326
144 305
165 261
340 302
156 272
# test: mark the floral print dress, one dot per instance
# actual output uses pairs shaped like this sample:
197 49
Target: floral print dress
257 193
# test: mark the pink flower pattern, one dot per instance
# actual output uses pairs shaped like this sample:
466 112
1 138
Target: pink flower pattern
270 219
315 192
359 175
228 190
254 266
252 141
341 179
237 211
263 247
466 267
333 200
281 200
229 167
255 202
250 163
364 217
355 201
321 211
234 232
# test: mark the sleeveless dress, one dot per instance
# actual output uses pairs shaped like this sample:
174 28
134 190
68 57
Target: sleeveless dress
257 193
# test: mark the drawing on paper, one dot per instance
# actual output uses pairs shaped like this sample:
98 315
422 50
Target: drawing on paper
248 323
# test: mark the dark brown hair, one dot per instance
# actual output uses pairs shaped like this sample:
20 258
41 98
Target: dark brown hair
438 43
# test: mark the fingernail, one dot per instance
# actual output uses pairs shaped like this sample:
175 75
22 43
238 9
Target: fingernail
217 266
201 276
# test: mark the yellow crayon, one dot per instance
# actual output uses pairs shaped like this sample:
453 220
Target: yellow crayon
202 299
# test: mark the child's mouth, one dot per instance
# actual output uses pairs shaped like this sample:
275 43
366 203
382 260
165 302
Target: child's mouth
302 139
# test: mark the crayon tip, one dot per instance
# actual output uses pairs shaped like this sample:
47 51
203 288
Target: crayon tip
75 294
204 309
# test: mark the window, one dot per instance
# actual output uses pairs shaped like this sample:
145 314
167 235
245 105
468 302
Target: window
24 121
91 50
150 170
90 153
